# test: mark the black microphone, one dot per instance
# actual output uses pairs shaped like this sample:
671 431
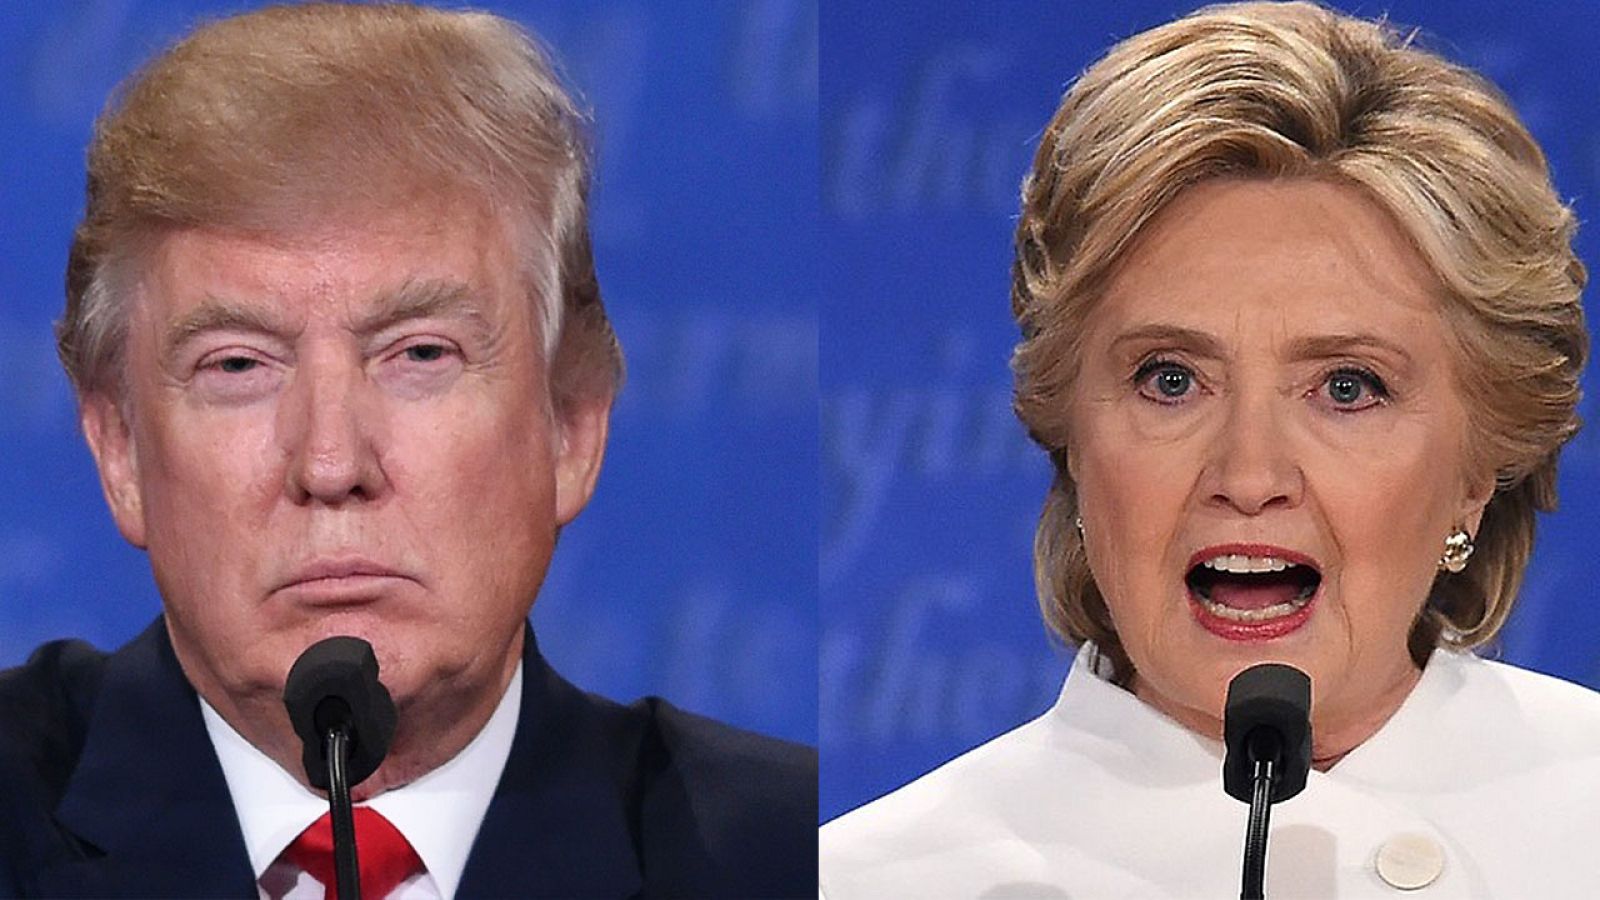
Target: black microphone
334 684
1267 729
345 718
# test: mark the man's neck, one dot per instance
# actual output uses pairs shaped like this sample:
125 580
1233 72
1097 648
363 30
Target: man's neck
431 729
439 813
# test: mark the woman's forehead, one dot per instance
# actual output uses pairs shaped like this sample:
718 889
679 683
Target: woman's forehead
1293 254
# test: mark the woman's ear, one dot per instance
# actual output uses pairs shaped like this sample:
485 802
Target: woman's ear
1476 494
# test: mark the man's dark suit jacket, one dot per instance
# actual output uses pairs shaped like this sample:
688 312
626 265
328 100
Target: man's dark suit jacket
109 787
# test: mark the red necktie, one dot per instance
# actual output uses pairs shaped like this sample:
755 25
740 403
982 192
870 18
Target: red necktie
385 855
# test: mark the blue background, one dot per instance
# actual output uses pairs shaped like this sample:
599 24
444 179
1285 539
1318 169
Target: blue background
693 572
931 640
743 239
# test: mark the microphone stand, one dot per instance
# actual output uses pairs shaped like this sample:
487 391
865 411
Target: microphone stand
346 866
1255 835
1267 730
345 720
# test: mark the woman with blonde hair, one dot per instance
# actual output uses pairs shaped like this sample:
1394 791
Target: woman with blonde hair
1301 334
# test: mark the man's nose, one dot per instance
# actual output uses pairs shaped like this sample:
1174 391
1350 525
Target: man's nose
1251 466
328 430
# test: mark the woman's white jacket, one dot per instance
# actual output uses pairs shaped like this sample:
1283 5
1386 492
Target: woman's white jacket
1485 783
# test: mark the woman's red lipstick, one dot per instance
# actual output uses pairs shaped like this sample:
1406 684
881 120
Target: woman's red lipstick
1248 630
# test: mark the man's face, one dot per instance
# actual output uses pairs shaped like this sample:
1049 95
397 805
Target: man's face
343 431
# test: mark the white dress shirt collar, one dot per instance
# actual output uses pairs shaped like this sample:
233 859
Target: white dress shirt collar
1090 702
438 813
1492 769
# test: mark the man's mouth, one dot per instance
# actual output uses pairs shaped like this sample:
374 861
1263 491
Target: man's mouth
341 580
1257 594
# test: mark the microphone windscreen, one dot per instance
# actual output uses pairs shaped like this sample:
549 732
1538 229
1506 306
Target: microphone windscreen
334 684
1268 704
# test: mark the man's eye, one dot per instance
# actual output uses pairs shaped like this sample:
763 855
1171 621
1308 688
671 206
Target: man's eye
425 353
237 365
233 376
1164 381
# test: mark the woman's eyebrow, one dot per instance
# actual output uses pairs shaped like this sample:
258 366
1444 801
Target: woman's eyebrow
1198 342
1323 346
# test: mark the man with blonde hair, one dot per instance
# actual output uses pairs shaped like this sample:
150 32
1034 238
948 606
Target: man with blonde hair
343 366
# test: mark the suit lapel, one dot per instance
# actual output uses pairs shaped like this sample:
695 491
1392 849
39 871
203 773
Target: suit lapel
558 825
148 793
149 801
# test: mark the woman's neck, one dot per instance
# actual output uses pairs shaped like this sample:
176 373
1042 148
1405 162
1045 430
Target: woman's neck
1335 729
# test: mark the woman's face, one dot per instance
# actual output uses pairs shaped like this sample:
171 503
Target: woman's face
1270 449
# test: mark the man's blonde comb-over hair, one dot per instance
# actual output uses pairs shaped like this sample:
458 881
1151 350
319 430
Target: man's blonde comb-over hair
293 114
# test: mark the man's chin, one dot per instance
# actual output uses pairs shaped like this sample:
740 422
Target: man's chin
424 676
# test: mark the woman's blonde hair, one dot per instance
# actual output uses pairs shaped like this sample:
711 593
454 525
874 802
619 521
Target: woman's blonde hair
1295 90
270 120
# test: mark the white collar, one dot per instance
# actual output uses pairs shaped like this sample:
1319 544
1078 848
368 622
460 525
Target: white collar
438 813
1090 702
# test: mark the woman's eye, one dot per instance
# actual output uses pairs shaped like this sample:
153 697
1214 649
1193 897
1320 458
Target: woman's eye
1164 382
1351 389
1173 382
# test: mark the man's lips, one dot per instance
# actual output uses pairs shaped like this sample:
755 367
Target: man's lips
341 580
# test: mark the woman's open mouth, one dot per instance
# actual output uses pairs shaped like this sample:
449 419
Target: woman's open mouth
1252 596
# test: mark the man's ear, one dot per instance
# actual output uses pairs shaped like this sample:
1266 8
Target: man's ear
111 441
584 427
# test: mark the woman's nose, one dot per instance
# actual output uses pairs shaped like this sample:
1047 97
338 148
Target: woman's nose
1251 465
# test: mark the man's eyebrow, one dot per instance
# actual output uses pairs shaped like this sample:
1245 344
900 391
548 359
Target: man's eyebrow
218 314
426 299
416 299
1198 342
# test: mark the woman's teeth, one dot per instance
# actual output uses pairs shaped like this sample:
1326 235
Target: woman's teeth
1244 565
1243 588
1255 615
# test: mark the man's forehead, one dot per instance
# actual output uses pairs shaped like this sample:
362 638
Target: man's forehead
416 298
365 276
